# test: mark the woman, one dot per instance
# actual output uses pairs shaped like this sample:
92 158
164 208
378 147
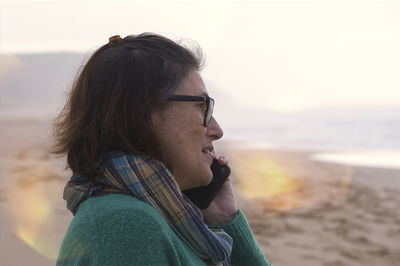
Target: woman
137 131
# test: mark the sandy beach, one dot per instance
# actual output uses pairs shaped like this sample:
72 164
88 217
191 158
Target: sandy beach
302 212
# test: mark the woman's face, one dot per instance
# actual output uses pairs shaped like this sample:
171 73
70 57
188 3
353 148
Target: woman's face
183 138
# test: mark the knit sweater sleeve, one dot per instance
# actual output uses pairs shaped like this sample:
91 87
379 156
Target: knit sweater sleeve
245 250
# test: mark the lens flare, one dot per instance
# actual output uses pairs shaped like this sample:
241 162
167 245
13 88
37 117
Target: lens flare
266 178
33 212
279 183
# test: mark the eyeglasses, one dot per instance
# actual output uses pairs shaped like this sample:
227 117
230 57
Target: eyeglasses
208 104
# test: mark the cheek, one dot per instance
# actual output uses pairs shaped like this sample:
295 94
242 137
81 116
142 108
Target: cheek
187 137
183 137
189 131
190 139
196 134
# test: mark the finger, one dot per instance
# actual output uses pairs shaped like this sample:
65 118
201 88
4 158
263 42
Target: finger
223 160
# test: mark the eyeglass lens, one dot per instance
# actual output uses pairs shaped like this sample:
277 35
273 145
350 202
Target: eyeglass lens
210 110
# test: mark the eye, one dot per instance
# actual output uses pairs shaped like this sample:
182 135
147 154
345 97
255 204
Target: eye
201 105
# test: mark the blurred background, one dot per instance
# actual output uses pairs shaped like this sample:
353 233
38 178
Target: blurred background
307 93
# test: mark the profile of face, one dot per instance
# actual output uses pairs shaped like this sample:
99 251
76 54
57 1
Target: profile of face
184 140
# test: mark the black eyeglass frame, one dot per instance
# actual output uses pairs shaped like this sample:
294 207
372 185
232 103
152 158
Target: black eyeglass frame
208 104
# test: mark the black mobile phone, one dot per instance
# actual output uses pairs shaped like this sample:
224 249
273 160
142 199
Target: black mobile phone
203 196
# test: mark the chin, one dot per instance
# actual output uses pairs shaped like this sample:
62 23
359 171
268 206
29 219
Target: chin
207 174
199 176
207 177
202 179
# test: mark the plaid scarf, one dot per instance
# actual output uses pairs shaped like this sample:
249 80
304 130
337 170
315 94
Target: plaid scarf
150 181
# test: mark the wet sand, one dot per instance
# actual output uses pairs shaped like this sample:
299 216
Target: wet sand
302 212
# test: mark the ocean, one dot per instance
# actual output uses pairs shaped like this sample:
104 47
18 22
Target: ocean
362 136
35 86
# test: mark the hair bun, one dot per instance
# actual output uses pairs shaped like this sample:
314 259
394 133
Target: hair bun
115 40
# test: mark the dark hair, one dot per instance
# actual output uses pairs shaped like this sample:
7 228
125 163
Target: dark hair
112 99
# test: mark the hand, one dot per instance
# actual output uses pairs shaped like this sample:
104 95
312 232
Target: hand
223 208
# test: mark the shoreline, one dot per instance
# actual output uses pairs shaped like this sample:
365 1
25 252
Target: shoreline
369 157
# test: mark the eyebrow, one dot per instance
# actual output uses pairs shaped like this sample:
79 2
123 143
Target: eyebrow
204 94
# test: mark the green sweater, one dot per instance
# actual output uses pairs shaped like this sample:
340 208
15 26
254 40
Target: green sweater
121 230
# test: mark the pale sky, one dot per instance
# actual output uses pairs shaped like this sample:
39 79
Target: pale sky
283 55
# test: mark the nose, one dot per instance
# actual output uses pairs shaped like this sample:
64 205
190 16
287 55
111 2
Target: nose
214 131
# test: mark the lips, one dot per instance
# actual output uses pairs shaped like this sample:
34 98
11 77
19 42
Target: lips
210 152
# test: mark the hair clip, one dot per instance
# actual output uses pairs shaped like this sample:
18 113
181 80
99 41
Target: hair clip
115 40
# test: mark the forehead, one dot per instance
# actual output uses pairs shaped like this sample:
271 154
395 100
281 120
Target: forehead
192 85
